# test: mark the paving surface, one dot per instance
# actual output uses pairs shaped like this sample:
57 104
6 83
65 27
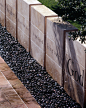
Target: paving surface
13 94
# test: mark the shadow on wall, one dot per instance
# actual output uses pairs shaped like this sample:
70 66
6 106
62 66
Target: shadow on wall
58 43
74 72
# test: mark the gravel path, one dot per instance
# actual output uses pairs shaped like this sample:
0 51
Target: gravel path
45 90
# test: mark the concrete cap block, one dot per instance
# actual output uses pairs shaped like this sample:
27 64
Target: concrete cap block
43 10
32 2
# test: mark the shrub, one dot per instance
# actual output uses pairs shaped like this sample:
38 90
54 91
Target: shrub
75 10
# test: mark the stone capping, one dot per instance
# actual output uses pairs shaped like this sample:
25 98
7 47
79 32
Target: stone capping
43 12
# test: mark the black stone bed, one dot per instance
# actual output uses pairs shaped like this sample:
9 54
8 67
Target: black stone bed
47 92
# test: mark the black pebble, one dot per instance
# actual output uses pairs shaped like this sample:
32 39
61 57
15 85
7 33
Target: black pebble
47 92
